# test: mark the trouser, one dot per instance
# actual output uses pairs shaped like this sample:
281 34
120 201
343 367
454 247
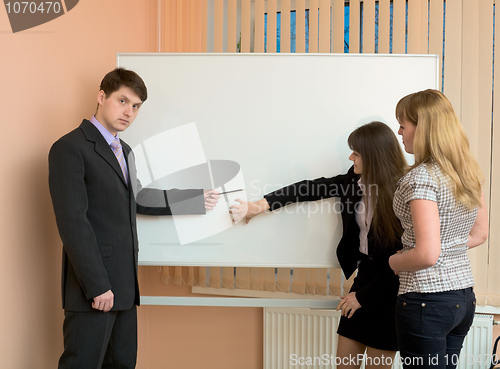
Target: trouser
95 340
431 327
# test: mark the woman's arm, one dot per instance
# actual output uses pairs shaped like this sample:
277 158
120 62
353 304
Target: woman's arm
307 190
426 225
479 232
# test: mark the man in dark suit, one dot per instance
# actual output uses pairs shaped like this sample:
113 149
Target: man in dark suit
96 194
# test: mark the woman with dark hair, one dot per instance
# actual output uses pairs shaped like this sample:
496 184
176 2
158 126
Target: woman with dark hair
371 233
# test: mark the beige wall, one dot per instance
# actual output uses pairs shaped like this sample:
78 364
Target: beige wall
49 79
196 337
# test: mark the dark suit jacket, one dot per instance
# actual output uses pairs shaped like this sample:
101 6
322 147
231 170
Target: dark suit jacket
96 216
376 280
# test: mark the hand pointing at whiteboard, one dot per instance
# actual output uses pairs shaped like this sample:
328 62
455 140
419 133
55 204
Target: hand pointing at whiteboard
248 209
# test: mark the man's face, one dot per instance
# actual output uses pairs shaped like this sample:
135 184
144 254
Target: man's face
117 111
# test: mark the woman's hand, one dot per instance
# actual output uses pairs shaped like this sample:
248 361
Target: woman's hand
248 209
348 305
391 265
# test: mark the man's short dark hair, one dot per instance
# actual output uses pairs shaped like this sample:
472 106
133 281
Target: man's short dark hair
120 77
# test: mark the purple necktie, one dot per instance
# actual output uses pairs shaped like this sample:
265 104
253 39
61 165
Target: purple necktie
117 149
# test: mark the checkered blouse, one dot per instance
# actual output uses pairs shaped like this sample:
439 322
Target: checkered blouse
452 270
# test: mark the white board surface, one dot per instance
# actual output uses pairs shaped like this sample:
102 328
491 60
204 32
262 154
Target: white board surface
267 120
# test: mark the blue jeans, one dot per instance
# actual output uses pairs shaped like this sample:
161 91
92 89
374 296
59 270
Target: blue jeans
431 327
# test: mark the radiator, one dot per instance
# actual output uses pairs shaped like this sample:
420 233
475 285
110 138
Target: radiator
305 338
476 352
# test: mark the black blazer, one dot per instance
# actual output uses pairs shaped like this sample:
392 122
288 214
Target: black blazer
377 279
95 212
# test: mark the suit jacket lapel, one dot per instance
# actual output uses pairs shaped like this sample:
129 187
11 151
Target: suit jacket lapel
129 159
101 147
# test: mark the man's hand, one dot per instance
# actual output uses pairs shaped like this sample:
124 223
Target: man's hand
104 302
211 198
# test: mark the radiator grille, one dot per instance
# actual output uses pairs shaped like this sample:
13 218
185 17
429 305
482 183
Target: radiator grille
305 338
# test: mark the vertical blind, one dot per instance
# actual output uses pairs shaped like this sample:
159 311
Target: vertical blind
461 32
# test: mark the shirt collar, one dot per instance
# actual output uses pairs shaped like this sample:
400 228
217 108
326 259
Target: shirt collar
104 132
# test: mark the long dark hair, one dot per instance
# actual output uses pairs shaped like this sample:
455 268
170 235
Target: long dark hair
383 165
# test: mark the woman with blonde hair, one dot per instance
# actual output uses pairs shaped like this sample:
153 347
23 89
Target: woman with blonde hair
371 233
441 208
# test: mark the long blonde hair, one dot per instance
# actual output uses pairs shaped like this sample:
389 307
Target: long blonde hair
440 136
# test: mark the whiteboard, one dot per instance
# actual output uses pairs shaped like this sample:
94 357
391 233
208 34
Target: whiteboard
258 121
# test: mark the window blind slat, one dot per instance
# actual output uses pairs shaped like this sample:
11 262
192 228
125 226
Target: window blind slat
476 114
245 26
192 26
417 26
335 285
256 279
338 26
214 280
271 26
179 29
299 280
398 27
259 26
485 70
201 278
231 26
283 280
493 285
321 286
269 279
324 26
242 278
310 281
313 26
204 25
178 275
384 26
470 60
186 35
300 32
218 26
165 26
190 277
368 26
285 27
453 54
436 32
198 34
228 278
354 23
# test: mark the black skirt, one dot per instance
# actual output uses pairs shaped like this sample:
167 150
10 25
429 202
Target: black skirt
374 326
